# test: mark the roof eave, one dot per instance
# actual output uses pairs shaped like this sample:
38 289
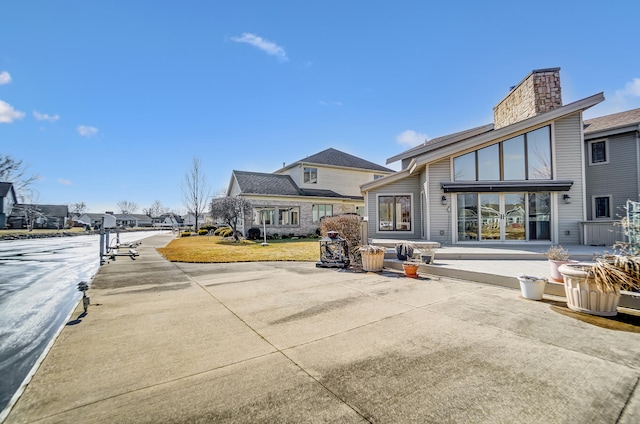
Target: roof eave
606 132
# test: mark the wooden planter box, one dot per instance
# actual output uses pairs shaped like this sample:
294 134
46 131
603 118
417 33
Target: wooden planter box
373 262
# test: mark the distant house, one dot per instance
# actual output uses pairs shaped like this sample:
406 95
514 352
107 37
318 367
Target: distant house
168 220
132 220
7 200
39 216
518 179
294 199
93 219
189 220
612 172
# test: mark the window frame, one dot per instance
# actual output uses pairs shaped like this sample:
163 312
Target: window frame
594 206
310 175
590 144
319 218
291 211
261 209
394 221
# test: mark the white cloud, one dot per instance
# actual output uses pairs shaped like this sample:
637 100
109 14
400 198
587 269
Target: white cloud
64 182
410 138
87 131
266 46
8 114
622 99
5 78
45 117
331 103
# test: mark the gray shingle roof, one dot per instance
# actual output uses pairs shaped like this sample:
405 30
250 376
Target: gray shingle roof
262 183
278 185
615 120
335 157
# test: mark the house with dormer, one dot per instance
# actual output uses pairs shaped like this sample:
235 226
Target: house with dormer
294 199
518 179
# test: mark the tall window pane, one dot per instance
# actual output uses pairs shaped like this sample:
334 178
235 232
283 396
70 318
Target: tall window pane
539 216
513 158
467 216
489 163
464 167
539 154
394 213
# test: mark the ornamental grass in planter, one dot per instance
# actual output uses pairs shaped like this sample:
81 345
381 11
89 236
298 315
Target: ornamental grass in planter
595 288
557 256
372 257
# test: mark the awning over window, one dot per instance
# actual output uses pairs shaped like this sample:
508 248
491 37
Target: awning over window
505 186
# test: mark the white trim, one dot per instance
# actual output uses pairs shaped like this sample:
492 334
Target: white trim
606 151
593 207
395 232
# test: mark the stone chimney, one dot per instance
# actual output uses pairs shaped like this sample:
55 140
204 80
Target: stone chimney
538 93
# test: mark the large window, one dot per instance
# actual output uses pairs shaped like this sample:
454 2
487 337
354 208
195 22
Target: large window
310 175
289 216
598 152
263 216
524 157
394 213
320 211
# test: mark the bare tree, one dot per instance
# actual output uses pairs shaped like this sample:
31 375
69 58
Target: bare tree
78 208
195 190
231 210
14 171
155 210
127 207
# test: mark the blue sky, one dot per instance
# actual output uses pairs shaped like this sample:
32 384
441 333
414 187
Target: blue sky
110 100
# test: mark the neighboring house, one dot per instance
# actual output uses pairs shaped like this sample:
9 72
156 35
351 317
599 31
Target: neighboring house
132 220
168 220
294 199
612 170
25 215
7 200
518 179
93 219
189 220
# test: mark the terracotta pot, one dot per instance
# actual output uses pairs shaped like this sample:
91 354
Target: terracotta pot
410 270
584 295
373 262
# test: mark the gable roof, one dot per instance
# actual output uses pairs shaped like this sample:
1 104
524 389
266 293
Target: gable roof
443 147
259 183
614 123
334 157
5 188
48 210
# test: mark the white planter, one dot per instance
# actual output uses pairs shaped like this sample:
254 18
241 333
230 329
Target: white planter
532 287
583 295
555 273
373 262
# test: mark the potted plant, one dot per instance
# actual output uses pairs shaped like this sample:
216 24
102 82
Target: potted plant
428 255
557 256
595 288
410 268
404 250
372 257
532 287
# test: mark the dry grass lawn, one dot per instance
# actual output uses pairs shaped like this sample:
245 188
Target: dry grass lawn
214 249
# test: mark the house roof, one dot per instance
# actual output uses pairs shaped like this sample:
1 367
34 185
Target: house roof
5 188
262 183
334 157
616 121
48 210
278 185
451 144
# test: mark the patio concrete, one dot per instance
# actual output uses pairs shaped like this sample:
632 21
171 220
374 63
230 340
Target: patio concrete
289 342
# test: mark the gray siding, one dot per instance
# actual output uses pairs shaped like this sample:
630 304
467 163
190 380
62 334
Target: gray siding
407 185
618 178
569 166
440 218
